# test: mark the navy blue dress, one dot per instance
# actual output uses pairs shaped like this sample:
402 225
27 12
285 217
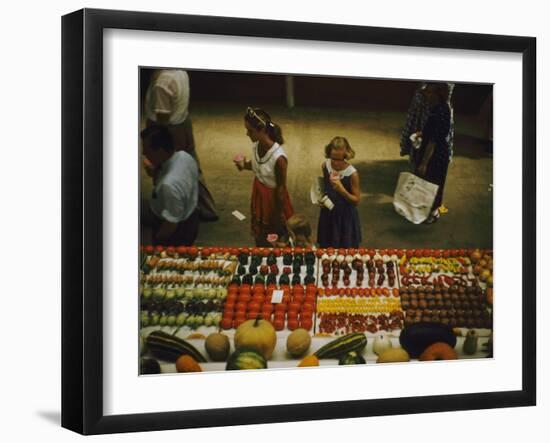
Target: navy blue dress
339 228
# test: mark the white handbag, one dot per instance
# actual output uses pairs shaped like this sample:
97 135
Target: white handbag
414 197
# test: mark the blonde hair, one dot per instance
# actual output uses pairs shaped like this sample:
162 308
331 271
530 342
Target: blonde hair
340 142
299 226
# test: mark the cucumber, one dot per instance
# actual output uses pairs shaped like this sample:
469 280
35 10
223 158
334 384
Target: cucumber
356 341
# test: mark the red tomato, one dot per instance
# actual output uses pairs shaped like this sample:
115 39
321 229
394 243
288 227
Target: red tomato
254 306
278 324
205 252
286 298
241 306
306 323
266 316
258 299
240 314
244 298
298 250
319 253
298 299
159 249
280 307
294 306
193 251
310 287
228 313
309 299
267 306
252 315
149 249
277 252
308 307
229 305
292 324
226 323
292 315
362 251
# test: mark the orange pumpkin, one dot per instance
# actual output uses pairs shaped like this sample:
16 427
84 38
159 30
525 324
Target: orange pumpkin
310 360
438 351
186 363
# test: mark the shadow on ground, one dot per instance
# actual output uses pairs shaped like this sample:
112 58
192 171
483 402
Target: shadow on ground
54 417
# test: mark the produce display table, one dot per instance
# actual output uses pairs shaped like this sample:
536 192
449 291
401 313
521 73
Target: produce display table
190 293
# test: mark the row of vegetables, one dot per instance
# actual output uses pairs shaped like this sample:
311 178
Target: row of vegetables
255 341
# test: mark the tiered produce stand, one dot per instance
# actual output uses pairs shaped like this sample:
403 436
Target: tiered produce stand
309 307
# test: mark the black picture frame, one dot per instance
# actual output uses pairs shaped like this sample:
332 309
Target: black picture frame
82 217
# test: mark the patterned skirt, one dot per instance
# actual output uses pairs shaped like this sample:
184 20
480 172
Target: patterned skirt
265 217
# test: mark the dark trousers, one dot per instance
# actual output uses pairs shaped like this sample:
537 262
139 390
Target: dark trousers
185 234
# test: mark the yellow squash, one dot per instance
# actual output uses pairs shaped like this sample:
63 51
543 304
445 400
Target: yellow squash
256 334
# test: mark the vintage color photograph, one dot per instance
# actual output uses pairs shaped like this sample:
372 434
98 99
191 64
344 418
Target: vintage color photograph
292 221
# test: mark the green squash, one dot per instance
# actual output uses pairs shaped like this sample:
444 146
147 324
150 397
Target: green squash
352 358
245 358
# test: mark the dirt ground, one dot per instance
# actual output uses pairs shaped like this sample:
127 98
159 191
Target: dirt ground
220 135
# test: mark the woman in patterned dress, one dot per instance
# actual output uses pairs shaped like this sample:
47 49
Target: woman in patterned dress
434 155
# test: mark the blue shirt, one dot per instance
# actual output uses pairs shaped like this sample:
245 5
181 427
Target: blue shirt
176 191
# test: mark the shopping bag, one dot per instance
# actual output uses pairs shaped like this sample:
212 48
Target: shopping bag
414 197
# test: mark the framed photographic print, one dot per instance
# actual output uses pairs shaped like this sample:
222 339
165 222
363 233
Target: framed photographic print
270 221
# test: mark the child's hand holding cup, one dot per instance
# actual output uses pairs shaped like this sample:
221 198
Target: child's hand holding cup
239 161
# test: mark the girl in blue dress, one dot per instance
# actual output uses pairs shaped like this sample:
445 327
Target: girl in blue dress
340 227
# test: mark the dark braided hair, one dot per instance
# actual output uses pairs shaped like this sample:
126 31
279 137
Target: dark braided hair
259 119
